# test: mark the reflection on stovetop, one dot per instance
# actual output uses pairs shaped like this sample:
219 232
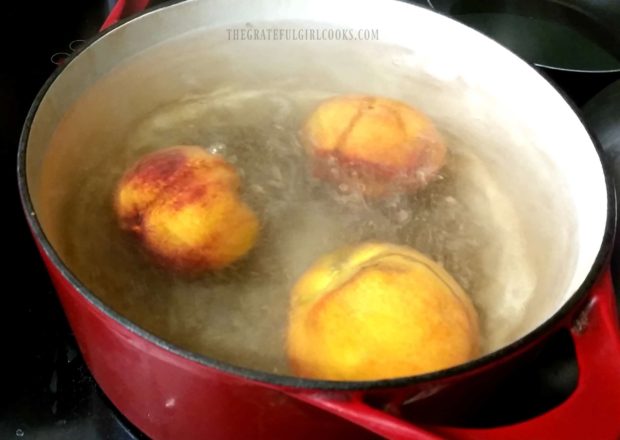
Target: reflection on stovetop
47 391
63 401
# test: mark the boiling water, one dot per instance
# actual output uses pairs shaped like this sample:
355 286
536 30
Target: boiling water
240 314
466 220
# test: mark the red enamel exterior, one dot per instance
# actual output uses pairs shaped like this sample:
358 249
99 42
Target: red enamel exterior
169 396
122 9
592 411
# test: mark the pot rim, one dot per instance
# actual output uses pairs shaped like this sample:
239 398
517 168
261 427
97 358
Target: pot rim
548 325
578 71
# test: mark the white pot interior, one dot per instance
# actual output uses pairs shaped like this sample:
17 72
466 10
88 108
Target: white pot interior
528 164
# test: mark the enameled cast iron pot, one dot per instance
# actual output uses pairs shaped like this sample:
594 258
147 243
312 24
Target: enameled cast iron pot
170 393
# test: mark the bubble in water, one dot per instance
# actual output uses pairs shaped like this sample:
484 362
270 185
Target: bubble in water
276 173
217 148
402 216
19 433
397 61
258 189
283 109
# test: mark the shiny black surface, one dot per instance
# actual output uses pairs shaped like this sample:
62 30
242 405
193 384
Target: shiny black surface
574 42
46 391
517 21
602 114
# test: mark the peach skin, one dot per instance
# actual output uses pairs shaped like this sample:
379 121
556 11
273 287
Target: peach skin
373 145
183 205
378 311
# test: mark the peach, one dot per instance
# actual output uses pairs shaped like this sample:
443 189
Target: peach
372 144
183 205
378 311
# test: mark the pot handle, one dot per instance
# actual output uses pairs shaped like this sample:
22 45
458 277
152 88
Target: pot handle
592 411
122 9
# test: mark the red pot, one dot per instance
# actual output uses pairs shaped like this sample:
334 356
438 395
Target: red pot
170 393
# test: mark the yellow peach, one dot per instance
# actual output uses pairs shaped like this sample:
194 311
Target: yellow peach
373 144
378 311
183 204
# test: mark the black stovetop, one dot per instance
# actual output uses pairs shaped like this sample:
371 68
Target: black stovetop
46 391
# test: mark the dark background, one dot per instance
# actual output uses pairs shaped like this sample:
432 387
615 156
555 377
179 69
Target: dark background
45 390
